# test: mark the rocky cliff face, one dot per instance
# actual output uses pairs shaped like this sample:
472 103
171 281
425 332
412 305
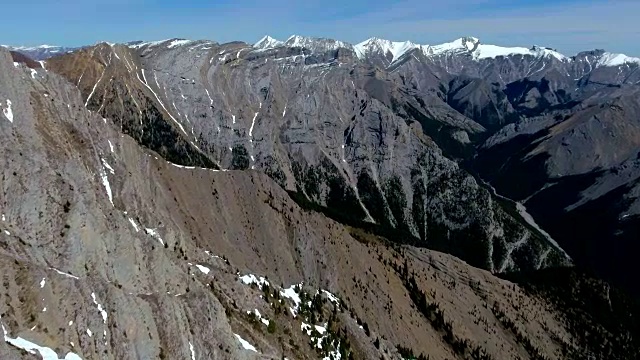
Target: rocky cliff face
110 251
338 134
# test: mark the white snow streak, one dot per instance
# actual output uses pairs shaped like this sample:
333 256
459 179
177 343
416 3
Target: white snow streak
253 122
65 274
209 96
45 352
133 223
110 145
334 299
103 312
42 282
8 113
158 98
107 187
94 87
205 270
155 234
245 344
106 165
193 352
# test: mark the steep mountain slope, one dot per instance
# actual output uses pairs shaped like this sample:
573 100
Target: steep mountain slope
109 251
581 181
336 133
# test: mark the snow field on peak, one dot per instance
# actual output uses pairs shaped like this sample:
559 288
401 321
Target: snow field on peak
611 59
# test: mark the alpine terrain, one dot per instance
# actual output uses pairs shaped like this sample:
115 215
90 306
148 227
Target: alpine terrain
315 199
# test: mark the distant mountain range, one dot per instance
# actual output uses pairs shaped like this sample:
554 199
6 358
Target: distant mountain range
41 52
375 47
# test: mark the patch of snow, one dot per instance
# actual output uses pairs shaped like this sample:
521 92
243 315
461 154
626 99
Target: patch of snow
245 344
267 42
106 165
89 333
30 347
205 270
176 43
33 73
107 187
384 47
611 59
308 329
252 279
42 282
7 232
193 352
154 233
133 223
70 322
110 145
291 294
209 96
259 316
334 299
102 311
253 122
45 309
65 274
8 113
182 166
213 256
285 111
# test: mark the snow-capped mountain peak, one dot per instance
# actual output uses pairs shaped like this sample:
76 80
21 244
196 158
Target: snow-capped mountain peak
612 59
464 44
315 44
396 49
267 42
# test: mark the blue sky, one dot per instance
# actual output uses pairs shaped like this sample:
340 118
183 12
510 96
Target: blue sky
567 25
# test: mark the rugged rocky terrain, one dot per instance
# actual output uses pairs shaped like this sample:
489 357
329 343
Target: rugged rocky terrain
164 200
338 134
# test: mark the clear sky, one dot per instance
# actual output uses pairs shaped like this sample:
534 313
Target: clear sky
567 25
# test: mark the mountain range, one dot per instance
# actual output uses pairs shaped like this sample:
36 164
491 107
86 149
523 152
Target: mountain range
198 192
